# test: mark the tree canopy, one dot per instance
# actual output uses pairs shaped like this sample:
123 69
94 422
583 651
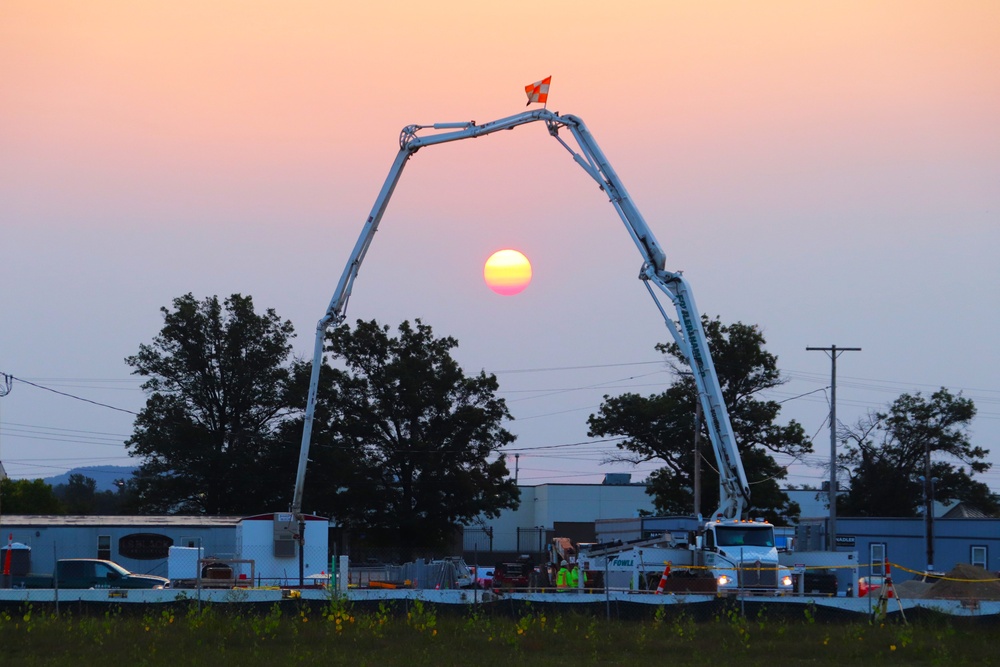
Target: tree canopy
885 458
217 389
29 496
405 445
79 495
661 427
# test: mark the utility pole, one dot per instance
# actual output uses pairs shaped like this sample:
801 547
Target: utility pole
928 506
929 509
6 384
833 352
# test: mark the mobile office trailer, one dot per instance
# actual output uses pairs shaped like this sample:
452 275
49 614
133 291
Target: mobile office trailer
140 544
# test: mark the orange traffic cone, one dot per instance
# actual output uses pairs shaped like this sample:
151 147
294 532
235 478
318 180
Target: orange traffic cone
663 579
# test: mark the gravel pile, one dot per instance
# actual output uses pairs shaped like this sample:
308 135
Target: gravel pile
966 582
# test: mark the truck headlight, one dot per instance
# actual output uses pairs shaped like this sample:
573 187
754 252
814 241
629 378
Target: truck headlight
724 580
786 581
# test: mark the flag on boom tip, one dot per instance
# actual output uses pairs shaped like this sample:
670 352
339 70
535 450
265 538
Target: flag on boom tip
538 92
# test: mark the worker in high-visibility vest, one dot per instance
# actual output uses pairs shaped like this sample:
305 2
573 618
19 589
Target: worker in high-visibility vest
574 577
562 577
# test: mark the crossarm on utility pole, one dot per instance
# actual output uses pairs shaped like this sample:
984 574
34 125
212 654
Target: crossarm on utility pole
833 352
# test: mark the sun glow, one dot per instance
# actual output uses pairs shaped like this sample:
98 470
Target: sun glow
507 272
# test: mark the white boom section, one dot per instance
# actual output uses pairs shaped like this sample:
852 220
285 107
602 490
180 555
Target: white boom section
734 492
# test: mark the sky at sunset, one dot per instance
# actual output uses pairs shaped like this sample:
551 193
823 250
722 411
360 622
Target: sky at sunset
828 170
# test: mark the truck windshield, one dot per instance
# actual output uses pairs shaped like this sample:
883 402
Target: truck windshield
744 536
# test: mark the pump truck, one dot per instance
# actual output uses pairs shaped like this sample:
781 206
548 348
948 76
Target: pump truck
714 545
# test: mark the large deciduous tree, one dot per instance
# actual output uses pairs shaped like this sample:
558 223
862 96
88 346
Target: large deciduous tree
661 427
217 380
887 452
405 445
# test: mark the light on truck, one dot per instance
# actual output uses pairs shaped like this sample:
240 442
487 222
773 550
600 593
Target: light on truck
786 580
723 579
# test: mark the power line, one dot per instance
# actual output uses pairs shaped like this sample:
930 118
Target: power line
814 391
992 396
77 440
66 430
568 444
78 398
576 368
597 385
893 386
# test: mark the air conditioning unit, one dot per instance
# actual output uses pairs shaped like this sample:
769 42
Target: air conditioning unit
285 535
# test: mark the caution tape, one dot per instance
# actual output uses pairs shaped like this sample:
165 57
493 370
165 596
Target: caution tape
942 577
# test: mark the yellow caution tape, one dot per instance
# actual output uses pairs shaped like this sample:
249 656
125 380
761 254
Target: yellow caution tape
943 578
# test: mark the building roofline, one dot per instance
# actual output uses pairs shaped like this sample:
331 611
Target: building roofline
14 520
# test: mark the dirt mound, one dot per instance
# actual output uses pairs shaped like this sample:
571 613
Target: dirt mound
912 589
966 582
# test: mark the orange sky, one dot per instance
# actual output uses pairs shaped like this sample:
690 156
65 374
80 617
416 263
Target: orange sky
234 85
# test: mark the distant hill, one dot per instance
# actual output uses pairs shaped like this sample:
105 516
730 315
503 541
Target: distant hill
105 476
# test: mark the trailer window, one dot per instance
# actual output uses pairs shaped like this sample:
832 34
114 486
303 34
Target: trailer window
104 547
977 556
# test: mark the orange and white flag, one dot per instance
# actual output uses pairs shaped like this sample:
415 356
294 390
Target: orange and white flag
538 92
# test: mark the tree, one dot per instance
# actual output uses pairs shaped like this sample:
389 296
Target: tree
404 443
124 501
660 427
887 452
28 496
80 496
217 390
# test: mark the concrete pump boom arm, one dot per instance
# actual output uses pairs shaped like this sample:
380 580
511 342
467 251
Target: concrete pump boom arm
733 488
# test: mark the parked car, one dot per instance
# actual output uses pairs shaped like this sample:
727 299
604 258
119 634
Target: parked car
89 573
513 575
484 576
871 585
818 582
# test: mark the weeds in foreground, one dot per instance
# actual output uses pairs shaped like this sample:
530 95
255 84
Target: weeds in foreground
419 633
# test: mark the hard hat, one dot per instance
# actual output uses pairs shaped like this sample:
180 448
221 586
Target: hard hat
564 563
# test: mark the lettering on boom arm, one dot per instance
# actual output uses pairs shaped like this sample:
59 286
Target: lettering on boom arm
699 364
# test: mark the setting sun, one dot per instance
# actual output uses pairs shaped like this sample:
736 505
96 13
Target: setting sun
507 272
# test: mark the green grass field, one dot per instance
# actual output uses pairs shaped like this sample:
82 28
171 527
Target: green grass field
338 634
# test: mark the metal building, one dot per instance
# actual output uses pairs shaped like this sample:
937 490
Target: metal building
905 544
